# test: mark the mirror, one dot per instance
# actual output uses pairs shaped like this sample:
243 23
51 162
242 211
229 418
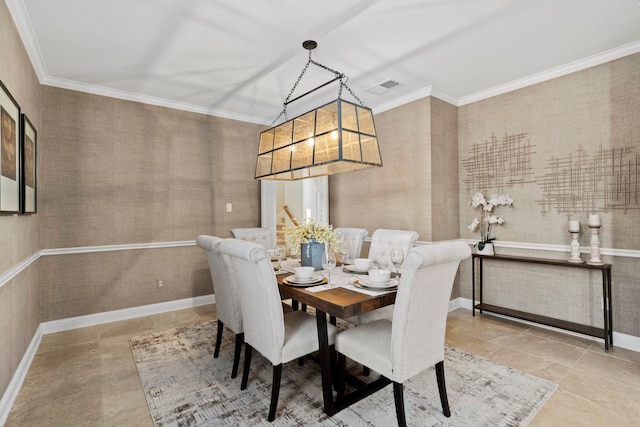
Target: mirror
306 198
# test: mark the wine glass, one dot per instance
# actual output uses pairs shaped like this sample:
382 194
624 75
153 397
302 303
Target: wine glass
328 263
341 248
397 257
280 252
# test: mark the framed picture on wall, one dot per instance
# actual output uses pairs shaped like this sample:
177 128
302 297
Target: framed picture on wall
9 152
28 144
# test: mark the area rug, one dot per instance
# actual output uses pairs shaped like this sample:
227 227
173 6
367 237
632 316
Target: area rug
185 386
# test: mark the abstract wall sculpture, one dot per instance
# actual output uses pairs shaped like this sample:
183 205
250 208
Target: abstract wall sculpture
499 164
604 181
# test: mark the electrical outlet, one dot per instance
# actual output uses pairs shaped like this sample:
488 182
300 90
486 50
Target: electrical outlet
160 284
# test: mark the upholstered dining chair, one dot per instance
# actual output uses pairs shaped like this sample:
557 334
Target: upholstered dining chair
264 236
353 238
227 295
382 241
414 340
279 337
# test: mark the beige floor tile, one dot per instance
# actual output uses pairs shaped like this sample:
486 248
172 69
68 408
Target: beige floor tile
552 350
564 409
606 367
64 339
471 344
126 328
529 363
577 341
174 319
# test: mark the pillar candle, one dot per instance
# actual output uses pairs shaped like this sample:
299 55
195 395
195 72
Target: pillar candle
574 226
594 220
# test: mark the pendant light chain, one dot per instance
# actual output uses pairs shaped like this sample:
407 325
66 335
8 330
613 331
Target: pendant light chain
343 84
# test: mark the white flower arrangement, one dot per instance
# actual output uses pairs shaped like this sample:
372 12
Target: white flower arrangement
311 232
487 219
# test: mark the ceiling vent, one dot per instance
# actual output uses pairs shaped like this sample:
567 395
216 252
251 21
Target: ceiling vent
382 88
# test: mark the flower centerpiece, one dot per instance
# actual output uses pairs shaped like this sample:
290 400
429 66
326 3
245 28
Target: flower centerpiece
487 218
312 239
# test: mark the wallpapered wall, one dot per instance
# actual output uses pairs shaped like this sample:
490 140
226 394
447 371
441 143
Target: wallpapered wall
118 172
19 234
562 149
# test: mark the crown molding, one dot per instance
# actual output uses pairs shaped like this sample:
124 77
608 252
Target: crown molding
21 19
563 70
25 29
150 100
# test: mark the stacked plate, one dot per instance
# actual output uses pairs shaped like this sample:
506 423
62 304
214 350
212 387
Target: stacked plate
353 269
368 284
313 280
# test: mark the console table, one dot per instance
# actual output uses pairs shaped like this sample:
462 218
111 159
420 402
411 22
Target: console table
606 333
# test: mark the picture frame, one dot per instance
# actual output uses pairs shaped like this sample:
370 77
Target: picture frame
10 162
28 153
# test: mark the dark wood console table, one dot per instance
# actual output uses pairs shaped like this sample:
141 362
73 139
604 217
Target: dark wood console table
606 333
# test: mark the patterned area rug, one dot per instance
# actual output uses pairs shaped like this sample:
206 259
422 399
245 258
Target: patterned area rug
186 386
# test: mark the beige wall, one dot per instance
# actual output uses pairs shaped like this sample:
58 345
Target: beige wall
589 109
398 195
19 239
117 172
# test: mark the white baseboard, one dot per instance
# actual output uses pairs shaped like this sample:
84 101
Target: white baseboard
11 393
123 314
621 340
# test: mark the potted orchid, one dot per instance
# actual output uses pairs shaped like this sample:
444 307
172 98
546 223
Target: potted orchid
487 218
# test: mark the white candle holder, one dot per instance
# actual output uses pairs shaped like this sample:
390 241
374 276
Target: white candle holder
595 245
575 247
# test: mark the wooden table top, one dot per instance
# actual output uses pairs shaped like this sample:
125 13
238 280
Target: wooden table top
338 302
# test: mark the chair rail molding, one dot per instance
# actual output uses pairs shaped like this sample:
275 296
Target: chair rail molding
24 264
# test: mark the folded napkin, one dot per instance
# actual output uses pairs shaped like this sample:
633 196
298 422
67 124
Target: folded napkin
320 288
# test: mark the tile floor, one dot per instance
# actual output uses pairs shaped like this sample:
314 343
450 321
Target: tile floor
86 377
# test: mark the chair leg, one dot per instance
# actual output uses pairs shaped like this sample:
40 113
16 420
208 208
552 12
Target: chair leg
398 397
218 339
247 366
275 391
236 355
442 388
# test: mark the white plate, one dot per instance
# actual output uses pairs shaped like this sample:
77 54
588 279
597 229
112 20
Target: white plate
369 284
361 286
353 269
313 279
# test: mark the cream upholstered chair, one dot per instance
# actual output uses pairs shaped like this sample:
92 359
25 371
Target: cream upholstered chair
414 340
353 238
264 236
382 242
227 295
279 337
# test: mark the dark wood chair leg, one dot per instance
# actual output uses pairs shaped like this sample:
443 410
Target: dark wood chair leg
275 391
247 366
304 307
341 380
236 355
218 339
398 397
442 388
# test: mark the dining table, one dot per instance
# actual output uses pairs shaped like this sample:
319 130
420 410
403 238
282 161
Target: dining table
342 299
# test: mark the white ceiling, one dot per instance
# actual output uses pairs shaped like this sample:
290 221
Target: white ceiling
240 59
